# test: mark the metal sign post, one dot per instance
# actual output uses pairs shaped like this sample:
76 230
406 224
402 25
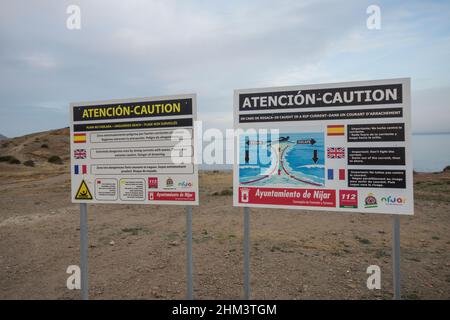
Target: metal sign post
246 253
189 264
396 256
84 251
162 126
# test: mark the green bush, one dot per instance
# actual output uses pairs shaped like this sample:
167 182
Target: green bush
55 160
5 158
13 160
224 192
29 163
9 159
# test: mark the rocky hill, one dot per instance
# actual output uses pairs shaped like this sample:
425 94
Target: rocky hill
25 155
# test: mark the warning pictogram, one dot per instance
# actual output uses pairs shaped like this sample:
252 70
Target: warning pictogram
83 192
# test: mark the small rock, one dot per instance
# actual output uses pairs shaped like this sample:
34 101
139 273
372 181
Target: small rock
111 243
155 294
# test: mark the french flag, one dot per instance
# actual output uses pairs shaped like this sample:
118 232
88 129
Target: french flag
341 174
77 168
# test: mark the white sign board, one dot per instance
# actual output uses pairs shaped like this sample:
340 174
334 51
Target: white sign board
339 147
134 151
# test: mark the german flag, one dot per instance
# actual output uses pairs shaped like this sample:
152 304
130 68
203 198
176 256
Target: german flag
79 137
335 130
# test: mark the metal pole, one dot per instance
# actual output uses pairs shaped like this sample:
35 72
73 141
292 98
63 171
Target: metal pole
396 256
246 254
84 251
189 264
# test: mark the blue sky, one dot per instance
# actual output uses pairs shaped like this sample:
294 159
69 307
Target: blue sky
145 48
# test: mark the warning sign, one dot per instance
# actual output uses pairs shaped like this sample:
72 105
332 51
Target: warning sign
83 192
333 147
122 150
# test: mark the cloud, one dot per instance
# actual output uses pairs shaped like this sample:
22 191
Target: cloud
145 48
431 110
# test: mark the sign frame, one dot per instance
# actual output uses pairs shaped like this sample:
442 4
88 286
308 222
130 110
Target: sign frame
405 105
183 193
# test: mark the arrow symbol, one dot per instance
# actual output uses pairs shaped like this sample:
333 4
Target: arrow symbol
315 158
247 152
306 141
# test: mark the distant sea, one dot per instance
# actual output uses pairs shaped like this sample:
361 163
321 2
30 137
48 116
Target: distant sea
431 153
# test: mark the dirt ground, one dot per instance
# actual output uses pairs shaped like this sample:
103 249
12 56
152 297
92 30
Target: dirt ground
138 252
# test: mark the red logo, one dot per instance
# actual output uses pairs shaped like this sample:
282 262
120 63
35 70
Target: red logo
153 182
171 196
288 196
244 195
348 199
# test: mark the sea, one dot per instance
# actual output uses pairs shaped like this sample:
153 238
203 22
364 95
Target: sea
431 153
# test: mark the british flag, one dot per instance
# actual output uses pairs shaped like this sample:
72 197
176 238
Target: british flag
79 153
336 153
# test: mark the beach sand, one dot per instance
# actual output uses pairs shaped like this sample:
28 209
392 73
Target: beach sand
139 252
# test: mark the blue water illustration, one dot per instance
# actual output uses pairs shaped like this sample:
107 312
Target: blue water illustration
290 159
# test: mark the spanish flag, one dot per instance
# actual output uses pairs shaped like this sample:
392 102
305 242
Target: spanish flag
79 137
335 130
